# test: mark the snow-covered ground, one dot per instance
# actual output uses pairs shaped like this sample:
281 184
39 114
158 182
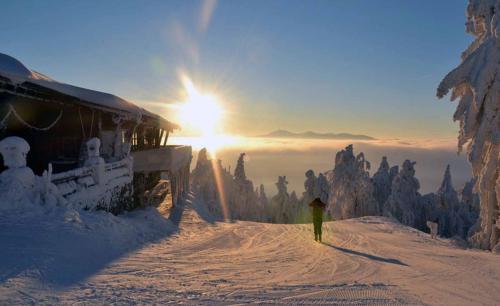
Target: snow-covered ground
65 257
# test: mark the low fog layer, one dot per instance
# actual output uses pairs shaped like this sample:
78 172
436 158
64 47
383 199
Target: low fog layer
270 157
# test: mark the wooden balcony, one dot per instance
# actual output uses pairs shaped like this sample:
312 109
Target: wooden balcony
164 159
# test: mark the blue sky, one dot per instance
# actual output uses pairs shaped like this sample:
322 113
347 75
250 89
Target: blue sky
359 66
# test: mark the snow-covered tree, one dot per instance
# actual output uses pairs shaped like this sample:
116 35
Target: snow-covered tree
382 184
476 81
263 203
239 172
428 212
469 206
203 182
243 199
450 222
279 202
262 196
311 187
351 190
292 208
393 172
403 203
225 195
324 188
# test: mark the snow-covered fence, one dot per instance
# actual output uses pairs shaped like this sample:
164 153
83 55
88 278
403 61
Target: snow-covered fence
105 186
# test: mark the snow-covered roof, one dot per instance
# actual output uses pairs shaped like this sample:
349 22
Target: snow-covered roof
14 70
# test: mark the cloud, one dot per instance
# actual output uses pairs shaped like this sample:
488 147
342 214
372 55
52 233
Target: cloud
206 12
184 41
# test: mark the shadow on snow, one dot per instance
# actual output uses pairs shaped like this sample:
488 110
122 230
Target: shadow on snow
365 255
63 253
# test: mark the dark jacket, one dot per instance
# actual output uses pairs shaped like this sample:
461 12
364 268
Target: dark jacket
317 209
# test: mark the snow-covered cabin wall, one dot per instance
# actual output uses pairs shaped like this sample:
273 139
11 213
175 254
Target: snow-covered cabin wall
57 119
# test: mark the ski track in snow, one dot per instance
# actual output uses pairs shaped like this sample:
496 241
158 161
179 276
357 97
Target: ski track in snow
369 260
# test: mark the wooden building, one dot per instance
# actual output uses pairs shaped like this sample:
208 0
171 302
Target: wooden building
56 119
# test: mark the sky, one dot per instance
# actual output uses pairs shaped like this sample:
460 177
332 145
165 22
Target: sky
357 66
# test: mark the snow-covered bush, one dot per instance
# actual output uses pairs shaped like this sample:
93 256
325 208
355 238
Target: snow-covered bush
476 81
351 190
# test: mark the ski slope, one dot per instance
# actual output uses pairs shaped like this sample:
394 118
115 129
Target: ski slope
368 260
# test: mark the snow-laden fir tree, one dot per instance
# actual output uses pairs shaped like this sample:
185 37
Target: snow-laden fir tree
279 202
244 200
311 187
403 203
393 172
293 208
382 184
351 190
239 172
323 187
469 206
228 196
427 205
203 183
315 187
450 222
266 211
476 81
262 196
312 191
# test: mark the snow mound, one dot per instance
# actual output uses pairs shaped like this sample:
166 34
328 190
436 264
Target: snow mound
62 246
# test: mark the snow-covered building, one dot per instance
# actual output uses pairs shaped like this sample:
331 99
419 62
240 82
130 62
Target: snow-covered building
58 120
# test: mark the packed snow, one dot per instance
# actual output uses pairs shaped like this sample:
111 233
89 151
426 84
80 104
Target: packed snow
56 256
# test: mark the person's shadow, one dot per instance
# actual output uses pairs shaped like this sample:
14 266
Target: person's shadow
365 255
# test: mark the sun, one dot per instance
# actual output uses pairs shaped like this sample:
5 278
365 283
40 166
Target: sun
202 113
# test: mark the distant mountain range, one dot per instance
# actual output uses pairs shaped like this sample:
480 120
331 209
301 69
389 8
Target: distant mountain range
314 135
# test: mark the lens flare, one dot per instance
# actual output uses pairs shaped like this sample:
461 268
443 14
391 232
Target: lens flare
203 113
200 111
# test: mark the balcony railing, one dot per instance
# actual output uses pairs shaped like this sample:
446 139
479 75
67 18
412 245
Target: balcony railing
163 159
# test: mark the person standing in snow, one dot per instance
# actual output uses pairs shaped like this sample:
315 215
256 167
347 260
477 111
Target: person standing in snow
318 208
